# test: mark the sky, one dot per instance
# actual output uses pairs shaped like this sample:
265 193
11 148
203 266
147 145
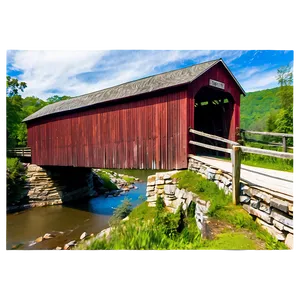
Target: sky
74 73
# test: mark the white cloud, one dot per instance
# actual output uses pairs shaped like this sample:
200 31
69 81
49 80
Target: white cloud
44 71
260 81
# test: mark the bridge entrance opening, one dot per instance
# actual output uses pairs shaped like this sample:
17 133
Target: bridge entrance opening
213 113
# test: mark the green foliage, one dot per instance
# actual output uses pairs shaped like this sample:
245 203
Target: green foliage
13 86
14 178
160 204
256 108
18 109
57 98
155 228
121 212
106 179
205 189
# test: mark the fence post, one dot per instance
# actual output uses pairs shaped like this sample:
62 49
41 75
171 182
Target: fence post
236 172
284 144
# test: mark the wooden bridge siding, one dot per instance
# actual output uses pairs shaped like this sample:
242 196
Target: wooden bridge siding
148 133
219 73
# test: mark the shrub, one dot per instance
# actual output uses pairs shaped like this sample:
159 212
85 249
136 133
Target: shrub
14 178
121 212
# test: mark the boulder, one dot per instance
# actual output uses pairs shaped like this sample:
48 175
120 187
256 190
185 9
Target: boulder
48 236
39 239
83 236
72 243
289 241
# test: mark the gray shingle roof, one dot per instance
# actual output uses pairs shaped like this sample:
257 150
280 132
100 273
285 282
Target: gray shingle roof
133 88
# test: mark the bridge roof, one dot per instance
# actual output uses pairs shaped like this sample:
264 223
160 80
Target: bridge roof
132 88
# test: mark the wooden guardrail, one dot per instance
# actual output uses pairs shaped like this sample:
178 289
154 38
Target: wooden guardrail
284 137
19 152
235 153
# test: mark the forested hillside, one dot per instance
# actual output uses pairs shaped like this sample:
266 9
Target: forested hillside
256 108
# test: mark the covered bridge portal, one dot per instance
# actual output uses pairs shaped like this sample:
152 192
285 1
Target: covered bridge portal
141 124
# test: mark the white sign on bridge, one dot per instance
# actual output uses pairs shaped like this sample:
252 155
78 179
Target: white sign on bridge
217 84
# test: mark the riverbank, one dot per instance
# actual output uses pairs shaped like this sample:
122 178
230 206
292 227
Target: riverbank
66 222
30 186
155 227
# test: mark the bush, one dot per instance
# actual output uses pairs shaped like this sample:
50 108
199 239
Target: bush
14 178
160 204
121 212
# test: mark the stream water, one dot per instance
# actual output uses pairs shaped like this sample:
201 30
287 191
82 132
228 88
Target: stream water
67 222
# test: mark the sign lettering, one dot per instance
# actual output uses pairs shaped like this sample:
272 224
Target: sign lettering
217 84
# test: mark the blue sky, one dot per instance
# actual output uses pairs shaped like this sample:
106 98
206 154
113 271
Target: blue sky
73 73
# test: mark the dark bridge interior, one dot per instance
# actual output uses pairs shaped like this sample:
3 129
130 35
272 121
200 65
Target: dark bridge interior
213 113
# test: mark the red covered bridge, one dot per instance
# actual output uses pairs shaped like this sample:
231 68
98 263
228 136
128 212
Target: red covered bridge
142 124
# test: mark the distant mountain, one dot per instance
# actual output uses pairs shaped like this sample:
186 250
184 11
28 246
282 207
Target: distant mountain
256 108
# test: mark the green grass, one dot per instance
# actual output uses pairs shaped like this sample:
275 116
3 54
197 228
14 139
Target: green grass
267 162
222 207
153 228
263 161
107 183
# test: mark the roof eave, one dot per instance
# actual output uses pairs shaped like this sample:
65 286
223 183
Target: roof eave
221 60
105 102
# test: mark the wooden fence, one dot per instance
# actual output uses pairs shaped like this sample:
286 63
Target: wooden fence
235 150
284 137
19 152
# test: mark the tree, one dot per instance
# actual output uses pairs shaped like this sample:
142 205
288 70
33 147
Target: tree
283 120
13 86
57 98
13 108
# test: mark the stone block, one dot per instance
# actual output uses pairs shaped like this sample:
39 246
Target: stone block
160 191
169 197
244 199
258 213
272 230
282 217
151 199
159 181
254 203
150 188
170 189
168 181
180 194
265 207
278 225
288 229
166 176
151 180
280 204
